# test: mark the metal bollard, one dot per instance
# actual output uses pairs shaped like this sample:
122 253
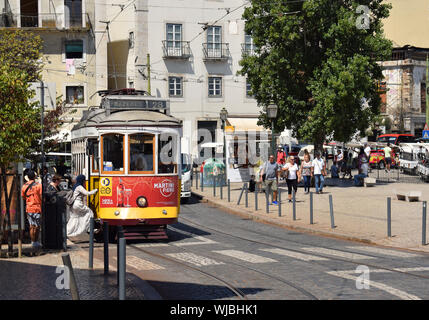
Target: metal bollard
267 199
247 195
241 194
311 207
280 201
64 214
120 235
202 182
229 190
91 244
424 223
331 210
293 204
221 190
122 267
196 181
389 217
256 198
214 186
106 247
73 285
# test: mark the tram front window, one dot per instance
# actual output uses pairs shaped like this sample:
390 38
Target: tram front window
113 152
141 152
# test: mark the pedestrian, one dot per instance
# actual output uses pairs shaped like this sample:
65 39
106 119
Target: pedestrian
281 156
349 165
319 172
47 177
292 176
80 214
362 167
306 171
54 186
31 193
334 171
387 156
340 162
270 170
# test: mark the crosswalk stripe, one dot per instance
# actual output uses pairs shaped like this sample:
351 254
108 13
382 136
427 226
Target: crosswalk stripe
296 255
150 245
201 240
396 292
141 264
248 257
388 252
337 253
194 259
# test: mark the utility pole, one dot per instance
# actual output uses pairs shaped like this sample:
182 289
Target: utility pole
42 175
148 74
427 89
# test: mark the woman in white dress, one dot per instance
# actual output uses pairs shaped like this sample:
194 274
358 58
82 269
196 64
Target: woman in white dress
80 214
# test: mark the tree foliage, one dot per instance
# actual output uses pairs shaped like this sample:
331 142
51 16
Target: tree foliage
22 50
316 64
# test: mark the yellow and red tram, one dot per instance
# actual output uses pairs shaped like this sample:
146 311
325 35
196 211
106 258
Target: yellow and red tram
129 149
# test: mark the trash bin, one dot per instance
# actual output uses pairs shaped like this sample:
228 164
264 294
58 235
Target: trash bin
54 221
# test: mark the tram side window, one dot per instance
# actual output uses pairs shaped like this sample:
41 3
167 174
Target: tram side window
113 152
141 152
94 155
167 149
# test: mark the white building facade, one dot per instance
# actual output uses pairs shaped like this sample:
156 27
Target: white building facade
193 48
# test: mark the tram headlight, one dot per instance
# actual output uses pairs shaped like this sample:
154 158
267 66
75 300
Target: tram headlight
141 202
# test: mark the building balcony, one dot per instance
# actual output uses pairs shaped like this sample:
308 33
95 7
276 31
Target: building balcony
247 49
176 49
216 51
49 21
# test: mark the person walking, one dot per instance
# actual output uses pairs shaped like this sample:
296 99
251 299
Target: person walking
319 172
54 186
270 170
292 176
387 156
305 171
31 192
80 214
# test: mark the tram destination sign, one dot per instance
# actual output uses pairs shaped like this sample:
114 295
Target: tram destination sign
140 104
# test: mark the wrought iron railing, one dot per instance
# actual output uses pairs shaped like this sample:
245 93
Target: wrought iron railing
45 20
216 51
176 49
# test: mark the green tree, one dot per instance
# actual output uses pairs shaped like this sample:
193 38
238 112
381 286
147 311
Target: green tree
22 50
317 60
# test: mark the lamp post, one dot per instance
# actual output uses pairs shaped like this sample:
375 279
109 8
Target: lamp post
272 114
223 117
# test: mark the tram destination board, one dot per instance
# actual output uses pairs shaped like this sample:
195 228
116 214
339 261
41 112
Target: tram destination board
140 104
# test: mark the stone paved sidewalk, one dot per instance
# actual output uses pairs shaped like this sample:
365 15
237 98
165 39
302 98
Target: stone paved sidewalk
34 278
360 213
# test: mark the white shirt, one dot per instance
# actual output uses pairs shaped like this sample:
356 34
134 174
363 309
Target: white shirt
292 169
367 151
318 165
340 156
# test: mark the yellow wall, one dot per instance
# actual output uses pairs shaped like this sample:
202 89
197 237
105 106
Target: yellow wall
408 23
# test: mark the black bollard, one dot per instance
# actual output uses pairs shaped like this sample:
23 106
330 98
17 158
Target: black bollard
389 217
311 207
91 244
106 247
424 223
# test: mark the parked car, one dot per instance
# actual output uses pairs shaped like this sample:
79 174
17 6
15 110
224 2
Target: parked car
310 149
377 160
396 138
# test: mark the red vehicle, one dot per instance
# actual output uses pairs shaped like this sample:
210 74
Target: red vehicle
396 138
376 158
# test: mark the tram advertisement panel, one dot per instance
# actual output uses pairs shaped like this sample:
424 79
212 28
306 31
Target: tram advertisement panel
124 191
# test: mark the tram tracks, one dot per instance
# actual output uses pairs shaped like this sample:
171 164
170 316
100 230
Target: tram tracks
370 265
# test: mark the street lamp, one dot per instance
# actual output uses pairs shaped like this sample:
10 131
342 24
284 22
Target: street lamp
272 114
223 116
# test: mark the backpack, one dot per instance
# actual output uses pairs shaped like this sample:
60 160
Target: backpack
68 197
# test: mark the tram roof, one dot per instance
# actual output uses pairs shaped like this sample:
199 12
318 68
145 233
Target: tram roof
128 118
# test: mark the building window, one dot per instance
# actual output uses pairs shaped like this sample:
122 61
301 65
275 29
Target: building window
75 95
131 40
175 88
249 47
214 41
74 49
174 39
215 87
249 93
